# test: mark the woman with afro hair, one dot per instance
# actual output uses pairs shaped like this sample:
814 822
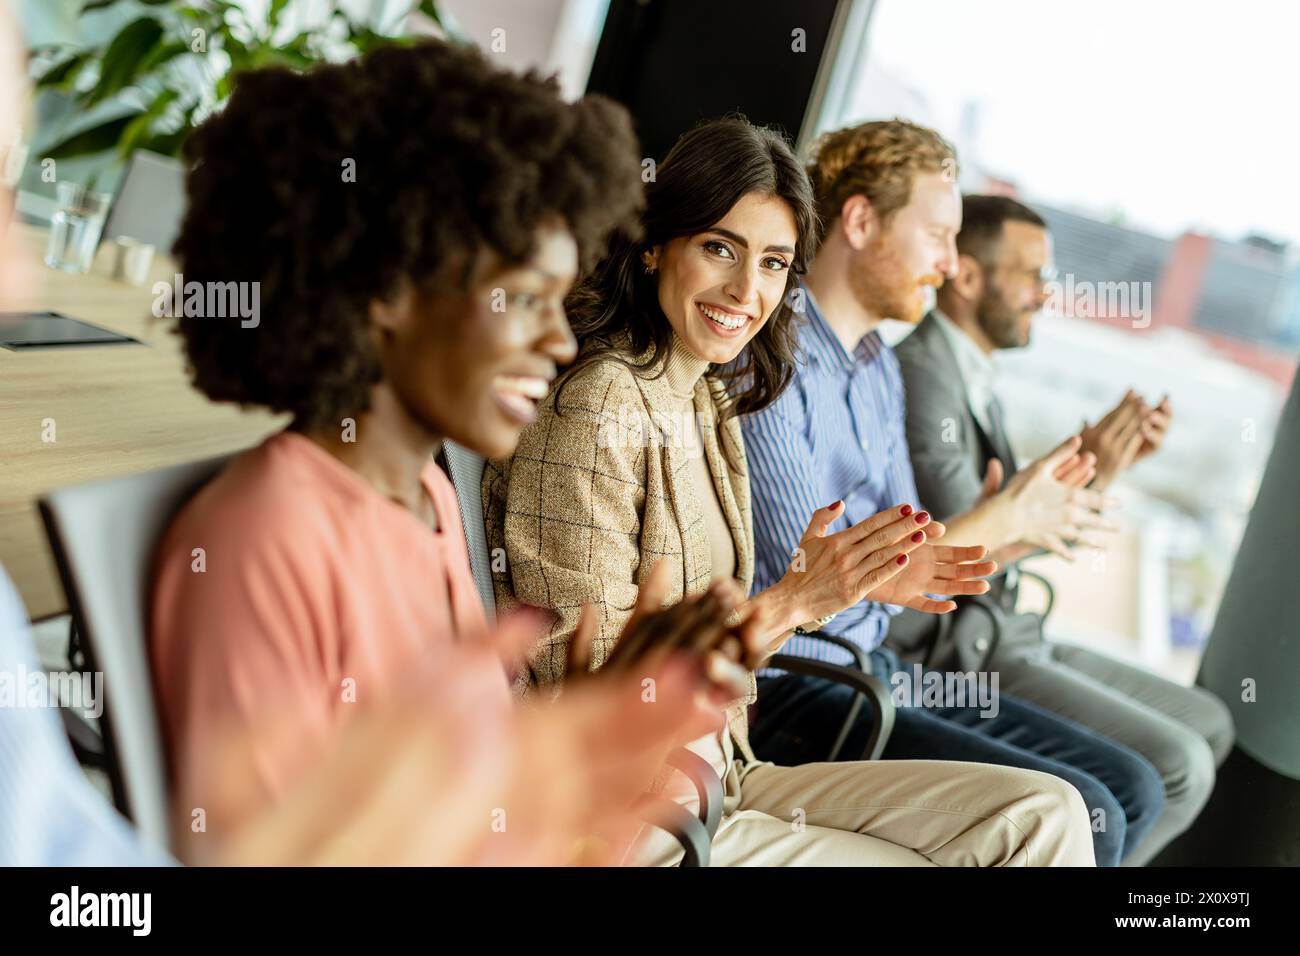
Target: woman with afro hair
411 223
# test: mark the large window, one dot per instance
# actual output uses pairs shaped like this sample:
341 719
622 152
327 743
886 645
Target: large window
1155 138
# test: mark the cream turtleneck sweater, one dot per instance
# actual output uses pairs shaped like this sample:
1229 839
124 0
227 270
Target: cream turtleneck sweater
682 372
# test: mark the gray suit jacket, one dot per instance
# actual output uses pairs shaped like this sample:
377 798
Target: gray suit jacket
950 452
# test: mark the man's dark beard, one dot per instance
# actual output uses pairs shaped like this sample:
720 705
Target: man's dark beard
999 321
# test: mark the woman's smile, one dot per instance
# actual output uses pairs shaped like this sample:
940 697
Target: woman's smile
722 321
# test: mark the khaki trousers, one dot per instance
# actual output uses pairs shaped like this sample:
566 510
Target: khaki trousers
890 813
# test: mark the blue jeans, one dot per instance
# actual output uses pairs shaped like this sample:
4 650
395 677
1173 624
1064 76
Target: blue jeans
798 717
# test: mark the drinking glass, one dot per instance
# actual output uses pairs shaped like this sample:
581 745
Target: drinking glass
75 228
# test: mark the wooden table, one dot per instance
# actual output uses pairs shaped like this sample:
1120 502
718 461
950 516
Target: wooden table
115 409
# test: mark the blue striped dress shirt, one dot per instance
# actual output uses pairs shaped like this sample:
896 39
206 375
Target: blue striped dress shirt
836 432
50 815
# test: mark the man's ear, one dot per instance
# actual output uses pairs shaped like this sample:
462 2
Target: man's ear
859 222
968 283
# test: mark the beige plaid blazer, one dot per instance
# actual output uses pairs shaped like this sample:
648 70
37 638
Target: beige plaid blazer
595 494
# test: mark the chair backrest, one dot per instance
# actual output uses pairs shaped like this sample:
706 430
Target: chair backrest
466 471
150 202
103 536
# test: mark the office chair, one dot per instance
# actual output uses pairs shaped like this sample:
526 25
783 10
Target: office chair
982 648
866 686
103 536
1048 591
150 201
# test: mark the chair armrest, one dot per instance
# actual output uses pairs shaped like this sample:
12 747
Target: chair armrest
860 657
865 684
994 612
87 744
938 637
707 784
1046 586
683 825
878 699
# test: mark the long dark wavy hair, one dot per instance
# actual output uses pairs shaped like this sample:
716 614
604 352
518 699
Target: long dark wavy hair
707 171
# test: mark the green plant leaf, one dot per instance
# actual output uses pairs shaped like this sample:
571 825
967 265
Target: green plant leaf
238 51
365 39
63 73
139 128
267 55
430 9
135 56
163 53
122 59
450 29
273 15
92 5
97 139
168 144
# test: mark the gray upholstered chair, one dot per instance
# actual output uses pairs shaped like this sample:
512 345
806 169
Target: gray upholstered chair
103 536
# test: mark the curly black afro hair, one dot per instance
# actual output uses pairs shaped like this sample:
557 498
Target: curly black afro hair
451 154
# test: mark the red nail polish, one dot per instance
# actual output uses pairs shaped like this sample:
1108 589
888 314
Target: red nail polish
834 504
902 559
905 510
922 517
919 536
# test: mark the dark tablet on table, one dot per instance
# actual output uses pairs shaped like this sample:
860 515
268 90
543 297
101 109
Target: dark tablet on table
45 330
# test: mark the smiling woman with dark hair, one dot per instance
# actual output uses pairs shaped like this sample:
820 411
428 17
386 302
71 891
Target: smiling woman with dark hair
618 310
636 462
